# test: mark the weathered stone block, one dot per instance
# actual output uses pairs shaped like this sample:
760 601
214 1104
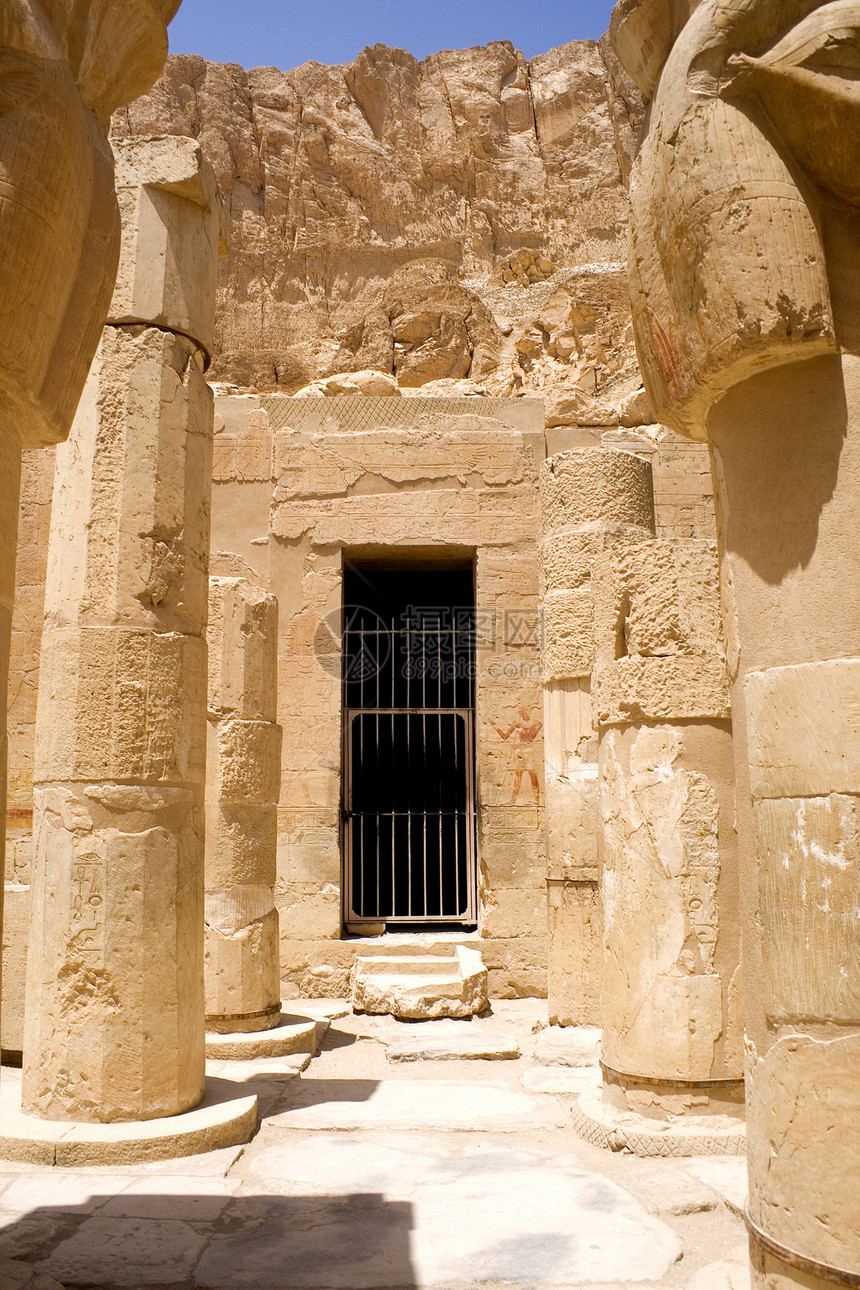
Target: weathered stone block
131 514
243 987
249 761
575 950
809 876
573 824
132 1045
421 987
676 688
672 590
568 621
241 843
16 927
242 638
566 559
120 704
172 227
804 729
597 487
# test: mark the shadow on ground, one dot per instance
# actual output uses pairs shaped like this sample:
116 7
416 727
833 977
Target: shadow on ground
218 1242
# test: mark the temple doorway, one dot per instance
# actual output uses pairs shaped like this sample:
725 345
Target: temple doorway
409 757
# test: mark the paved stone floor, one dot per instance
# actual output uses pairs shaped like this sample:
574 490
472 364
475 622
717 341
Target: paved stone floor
404 1156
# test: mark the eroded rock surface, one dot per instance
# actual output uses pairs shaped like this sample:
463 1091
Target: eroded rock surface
459 218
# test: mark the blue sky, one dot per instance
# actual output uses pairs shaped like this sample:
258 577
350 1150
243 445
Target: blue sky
284 33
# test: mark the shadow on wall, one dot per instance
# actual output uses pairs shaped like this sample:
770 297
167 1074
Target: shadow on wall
214 1240
771 457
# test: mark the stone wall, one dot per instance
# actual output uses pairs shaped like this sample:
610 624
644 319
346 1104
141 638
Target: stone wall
287 500
299 485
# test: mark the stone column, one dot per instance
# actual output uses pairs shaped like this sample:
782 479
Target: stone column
243 979
589 501
114 1010
64 68
670 993
746 300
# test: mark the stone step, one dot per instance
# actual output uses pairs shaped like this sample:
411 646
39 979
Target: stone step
421 987
429 965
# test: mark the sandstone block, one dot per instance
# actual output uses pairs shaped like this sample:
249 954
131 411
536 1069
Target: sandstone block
131 513
132 1045
172 228
809 868
803 1120
566 558
575 948
421 987
241 843
672 589
16 926
513 912
676 688
573 824
121 704
594 487
804 729
249 761
242 636
243 987
568 634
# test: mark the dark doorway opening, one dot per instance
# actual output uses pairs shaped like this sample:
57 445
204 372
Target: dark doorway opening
409 758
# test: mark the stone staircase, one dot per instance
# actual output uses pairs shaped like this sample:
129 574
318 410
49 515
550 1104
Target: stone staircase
420 987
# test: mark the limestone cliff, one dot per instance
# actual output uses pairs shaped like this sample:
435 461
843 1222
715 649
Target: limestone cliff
456 218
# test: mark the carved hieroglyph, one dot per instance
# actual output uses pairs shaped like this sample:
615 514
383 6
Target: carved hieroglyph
114 1009
242 952
746 293
588 500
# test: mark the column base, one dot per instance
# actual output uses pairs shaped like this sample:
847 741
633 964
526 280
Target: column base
223 1119
604 1126
777 1267
293 1034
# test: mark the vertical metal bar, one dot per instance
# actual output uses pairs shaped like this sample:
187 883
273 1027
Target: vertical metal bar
471 912
407 637
347 845
393 817
424 820
378 818
439 746
456 696
353 826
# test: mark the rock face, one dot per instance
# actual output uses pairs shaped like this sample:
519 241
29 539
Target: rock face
461 217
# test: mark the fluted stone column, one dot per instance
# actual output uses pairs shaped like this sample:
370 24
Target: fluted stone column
65 68
114 1008
745 246
671 994
243 979
590 500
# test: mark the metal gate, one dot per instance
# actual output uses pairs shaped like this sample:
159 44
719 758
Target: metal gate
409 815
